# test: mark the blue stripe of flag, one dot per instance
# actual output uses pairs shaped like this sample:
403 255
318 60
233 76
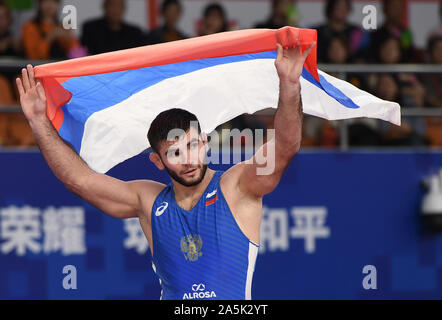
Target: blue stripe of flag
97 92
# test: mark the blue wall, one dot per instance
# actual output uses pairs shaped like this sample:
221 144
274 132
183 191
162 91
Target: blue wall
370 202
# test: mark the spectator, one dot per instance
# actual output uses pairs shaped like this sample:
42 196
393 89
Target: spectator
362 131
319 132
171 12
411 89
337 50
8 45
44 37
412 131
433 89
214 20
406 90
6 95
433 82
283 13
393 12
15 130
111 33
389 51
336 12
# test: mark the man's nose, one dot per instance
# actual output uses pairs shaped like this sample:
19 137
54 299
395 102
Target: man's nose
192 157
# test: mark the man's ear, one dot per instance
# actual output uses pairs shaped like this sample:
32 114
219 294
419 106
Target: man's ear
155 158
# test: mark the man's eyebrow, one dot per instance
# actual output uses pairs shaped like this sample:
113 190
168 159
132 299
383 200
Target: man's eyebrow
173 149
192 140
170 150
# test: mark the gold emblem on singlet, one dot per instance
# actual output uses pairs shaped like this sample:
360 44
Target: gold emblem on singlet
191 247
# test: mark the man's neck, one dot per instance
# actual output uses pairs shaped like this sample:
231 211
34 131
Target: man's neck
278 20
187 197
114 25
392 26
170 27
337 25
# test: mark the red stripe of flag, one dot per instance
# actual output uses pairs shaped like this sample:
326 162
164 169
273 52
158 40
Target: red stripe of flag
209 202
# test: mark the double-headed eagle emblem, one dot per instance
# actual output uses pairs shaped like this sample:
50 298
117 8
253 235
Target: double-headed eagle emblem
191 247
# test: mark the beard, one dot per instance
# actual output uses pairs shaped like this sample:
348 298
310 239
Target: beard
182 181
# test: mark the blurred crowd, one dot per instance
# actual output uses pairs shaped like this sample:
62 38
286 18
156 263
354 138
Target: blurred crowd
339 42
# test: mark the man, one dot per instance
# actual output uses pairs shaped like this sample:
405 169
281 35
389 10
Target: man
203 228
111 33
337 26
8 45
393 27
171 11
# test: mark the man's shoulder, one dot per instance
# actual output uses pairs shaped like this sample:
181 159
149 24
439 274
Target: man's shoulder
129 27
230 179
148 189
94 23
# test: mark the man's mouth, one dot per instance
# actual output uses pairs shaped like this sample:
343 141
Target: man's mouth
190 172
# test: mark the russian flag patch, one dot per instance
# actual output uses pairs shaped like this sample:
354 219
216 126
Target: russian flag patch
211 197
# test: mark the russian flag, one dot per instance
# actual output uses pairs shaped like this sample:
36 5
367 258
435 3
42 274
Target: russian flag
103 105
211 197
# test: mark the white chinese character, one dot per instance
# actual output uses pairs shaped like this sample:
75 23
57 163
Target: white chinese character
274 230
136 238
64 230
51 229
20 227
309 224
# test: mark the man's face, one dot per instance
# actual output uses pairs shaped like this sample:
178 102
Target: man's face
114 10
171 15
393 12
4 20
280 8
49 8
341 11
184 158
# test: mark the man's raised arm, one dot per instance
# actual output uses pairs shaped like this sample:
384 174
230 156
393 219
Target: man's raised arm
262 173
115 197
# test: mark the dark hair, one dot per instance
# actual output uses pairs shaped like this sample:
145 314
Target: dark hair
216 7
5 4
38 17
341 39
106 2
387 3
383 42
167 121
331 4
167 3
387 38
275 3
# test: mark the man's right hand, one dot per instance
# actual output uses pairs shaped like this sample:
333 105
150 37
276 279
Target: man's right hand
32 95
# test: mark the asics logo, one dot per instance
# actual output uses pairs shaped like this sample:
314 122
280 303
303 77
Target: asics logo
161 209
